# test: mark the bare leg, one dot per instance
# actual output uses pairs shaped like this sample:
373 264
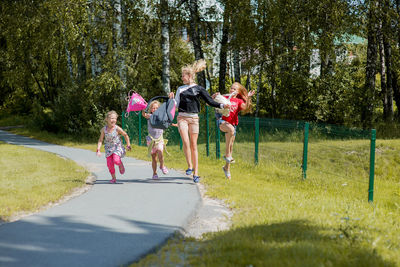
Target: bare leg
195 156
160 158
186 147
154 163
229 137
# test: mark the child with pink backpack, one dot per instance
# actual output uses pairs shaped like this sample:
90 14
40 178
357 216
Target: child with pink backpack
155 141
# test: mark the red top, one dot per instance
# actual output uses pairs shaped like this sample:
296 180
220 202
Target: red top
234 111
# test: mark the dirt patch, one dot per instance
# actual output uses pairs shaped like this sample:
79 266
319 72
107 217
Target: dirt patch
212 216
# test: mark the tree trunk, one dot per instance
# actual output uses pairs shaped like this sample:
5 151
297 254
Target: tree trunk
259 87
81 63
194 32
236 65
165 46
68 54
395 85
388 108
223 51
248 81
370 72
382 66
389 84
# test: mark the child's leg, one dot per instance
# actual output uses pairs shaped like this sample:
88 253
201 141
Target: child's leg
118 162
229 133
110 165
160 150
154 163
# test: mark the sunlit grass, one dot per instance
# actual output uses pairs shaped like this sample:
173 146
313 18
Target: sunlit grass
30 179
281 219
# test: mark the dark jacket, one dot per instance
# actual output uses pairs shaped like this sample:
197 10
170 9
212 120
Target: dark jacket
188 98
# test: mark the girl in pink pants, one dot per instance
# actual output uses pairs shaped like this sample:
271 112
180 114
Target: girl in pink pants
113 145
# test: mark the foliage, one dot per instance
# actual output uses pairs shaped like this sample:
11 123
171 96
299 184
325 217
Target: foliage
295 54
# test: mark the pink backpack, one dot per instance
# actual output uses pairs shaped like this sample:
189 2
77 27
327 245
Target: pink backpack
135 102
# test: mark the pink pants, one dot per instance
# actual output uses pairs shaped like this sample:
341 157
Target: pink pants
111 160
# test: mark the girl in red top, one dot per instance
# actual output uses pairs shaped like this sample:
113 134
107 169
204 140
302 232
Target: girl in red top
240 101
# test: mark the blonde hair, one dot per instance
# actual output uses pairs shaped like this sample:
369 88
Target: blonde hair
194 68
111 112
154 102
242 94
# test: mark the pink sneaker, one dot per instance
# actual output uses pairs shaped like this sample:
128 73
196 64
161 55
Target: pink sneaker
113 181
164 170
121 168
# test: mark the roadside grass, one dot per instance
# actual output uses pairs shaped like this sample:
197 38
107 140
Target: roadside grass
31 179
281 219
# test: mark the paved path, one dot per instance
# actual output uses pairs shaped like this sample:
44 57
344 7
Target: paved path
110 225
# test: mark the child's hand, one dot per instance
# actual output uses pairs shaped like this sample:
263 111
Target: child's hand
215 95
98 153
174 124
128 148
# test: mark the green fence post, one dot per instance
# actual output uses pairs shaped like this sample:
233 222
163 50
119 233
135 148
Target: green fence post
372 166
140 130
305 150
217 141
256 139
207 133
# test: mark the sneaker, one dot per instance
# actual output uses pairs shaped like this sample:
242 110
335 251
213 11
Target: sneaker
196 179
164 170
155 177
121 168
227 173
113 181
229 159
189 171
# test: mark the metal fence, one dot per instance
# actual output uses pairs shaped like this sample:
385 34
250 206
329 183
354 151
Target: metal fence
261 140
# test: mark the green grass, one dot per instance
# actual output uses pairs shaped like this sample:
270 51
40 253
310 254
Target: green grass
282 220
31 179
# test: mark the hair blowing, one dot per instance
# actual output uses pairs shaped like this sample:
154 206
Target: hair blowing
242 94
194 68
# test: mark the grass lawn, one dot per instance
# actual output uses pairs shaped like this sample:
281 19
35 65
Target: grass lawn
281 219
31 179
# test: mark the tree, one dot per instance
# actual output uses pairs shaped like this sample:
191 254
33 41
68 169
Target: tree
165 45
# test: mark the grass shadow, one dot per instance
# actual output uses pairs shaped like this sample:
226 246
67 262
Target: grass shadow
292 243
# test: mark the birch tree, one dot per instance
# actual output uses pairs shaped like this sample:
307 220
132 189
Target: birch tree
165 47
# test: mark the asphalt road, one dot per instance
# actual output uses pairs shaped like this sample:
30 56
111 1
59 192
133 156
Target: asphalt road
109 225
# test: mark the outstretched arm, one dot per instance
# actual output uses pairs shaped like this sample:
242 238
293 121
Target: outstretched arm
126 136
204 94
100 142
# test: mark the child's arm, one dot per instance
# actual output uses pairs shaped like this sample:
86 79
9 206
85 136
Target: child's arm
146 115
100 142
174 124
126 136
